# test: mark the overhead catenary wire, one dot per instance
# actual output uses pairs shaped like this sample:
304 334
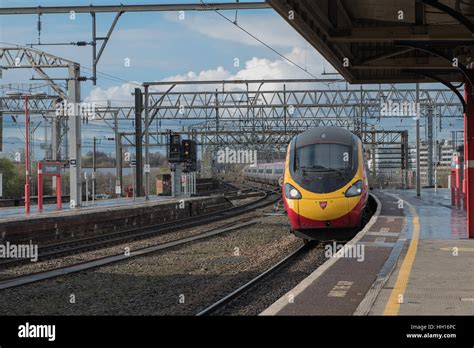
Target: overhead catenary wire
261 41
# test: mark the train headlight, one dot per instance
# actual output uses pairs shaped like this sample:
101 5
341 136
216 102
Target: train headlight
291 192
355 189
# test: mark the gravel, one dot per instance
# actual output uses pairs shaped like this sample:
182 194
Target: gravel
34 267
262 295
180 281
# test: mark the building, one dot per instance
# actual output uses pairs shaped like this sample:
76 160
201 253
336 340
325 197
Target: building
387 169
443 153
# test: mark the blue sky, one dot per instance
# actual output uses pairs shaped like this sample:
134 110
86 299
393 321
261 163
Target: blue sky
158 46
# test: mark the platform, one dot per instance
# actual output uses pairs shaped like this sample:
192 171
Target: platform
107 216
412 258
10 213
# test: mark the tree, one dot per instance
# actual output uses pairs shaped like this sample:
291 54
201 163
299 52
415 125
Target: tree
13 179
102 159
157 159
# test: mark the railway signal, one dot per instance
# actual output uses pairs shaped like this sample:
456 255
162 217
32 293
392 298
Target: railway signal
174 150
189 155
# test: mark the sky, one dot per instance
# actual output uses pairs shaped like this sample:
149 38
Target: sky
152 46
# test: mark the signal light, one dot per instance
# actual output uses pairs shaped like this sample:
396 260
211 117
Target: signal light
174 154
189 150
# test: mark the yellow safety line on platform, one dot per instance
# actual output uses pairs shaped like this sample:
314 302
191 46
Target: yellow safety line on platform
397 295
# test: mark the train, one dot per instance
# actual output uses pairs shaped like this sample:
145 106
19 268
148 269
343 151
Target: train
266 173
324 182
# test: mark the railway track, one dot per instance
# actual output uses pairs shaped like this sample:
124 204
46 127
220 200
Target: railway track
218 305
91 243
87 265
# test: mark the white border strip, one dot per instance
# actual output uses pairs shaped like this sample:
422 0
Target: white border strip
372 294
283 301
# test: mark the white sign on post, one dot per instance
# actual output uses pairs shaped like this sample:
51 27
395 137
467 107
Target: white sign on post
147 168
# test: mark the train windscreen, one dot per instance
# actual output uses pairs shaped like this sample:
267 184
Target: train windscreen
324 157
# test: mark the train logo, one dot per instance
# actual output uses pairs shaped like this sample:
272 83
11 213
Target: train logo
323 204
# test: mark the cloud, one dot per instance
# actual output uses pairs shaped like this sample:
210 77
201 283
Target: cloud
212 74
117 95
253 69
269 28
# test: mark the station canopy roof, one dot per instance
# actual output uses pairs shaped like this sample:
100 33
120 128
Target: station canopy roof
388 41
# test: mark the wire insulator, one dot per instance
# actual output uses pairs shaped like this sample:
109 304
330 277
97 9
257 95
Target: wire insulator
38 25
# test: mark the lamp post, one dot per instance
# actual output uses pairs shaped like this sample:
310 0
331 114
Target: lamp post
27 159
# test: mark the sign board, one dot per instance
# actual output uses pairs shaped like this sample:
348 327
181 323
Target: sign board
147 168
133 163
72 162
51 169
118 187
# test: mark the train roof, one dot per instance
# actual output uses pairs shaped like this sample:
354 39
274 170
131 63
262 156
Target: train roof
325 135
266 165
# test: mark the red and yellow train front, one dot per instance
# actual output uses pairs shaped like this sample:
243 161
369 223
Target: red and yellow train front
325 185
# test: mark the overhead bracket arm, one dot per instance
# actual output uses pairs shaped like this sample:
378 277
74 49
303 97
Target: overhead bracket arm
444 82
96 56
425 46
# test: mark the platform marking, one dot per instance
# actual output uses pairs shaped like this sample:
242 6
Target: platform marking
340 289
384 229
383 234
378 244
471 250
396 297
390 219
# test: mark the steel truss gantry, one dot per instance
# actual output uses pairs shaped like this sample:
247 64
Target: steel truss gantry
246 114
241 114
99 43
28 58
272 107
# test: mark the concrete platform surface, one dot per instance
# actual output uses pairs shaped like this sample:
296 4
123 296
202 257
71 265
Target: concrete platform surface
416 261
14 213
435 272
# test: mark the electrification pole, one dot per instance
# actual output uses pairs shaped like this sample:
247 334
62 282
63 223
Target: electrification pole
147 147
418 109
27 158
94 150
74 121
138 142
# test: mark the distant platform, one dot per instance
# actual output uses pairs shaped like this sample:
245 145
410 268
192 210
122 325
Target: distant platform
104 216
10 213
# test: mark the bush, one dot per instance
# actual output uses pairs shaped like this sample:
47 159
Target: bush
13 178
